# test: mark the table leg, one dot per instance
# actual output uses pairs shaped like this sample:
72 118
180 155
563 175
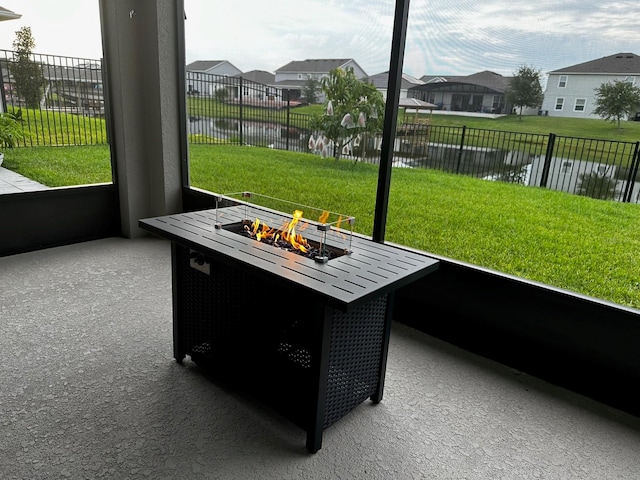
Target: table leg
377 396
320 366
178 350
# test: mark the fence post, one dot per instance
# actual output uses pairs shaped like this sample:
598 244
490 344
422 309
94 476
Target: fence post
287 130
464 131
547 160
240 94
3 105
633 172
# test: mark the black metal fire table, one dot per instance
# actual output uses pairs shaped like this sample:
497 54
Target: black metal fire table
308 338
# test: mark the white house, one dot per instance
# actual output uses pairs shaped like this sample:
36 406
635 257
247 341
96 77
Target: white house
202 76
294 75
570 91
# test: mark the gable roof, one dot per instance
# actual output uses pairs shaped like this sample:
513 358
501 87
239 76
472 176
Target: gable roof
381 80
6 14
432 78
259 76
488 79
618 63
314 65
203 65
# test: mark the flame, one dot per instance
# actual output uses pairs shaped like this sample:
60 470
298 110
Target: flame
286 233
324 217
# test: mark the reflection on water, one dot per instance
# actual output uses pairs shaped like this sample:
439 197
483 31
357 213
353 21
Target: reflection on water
251 132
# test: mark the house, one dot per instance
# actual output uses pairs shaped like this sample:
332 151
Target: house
294 75
570 91
7 15
259 84
202 76
381 81
67 87
213 67
77 87
482 92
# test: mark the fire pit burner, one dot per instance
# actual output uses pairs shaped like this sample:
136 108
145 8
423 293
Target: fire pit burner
311 249
328 226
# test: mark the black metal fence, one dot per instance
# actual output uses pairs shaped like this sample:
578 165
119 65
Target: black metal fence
602 169
67 107
239 111
59 100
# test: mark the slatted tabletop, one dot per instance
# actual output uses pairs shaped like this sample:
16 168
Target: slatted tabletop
371 269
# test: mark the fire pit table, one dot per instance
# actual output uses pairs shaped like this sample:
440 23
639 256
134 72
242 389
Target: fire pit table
308 335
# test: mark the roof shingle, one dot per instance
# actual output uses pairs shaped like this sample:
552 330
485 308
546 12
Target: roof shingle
624 63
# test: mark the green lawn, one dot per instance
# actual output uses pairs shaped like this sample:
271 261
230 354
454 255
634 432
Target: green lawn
61 166
576 243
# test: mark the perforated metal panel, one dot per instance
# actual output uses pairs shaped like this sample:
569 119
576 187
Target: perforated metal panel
355 357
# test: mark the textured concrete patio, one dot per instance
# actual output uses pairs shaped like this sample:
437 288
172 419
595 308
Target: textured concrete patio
89 389
11 182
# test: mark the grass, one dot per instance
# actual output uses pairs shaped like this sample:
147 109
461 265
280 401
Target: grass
61 166
571 242
44 127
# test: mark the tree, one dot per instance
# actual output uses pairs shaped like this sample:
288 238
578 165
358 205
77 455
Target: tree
352 107
310 90
27 74
524 89
616 100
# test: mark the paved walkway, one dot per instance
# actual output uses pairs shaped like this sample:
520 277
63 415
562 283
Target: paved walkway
11 182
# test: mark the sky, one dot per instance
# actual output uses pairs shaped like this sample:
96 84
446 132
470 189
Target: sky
444 37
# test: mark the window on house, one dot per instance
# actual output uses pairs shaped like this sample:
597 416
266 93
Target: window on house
580 105
630 79
566 167
559 103
562 83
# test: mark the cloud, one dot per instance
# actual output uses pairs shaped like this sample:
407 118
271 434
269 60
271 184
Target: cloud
444 37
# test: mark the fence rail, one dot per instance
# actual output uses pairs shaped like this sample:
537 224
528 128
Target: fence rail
65 105
59 100
602 169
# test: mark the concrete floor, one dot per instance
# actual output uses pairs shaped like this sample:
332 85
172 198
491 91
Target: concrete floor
89 389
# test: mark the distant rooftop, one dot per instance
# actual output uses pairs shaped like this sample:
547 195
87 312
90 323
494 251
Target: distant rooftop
314 65
624 63
6 14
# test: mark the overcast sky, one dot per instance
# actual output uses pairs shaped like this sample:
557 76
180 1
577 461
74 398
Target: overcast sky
445 37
